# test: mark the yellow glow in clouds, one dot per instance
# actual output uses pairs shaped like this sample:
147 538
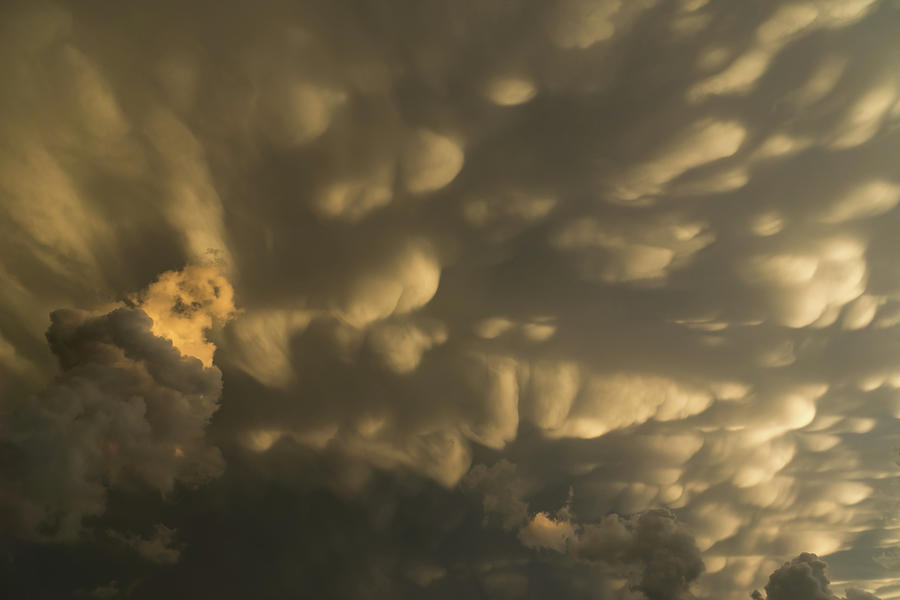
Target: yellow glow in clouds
184 304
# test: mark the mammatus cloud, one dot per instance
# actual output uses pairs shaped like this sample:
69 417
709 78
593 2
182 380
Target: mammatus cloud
635 259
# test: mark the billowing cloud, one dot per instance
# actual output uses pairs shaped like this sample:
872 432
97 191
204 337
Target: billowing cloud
576 299
653 552
129 408
805 578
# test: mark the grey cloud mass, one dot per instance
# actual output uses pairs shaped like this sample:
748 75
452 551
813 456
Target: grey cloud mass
127 407
804 577
440 299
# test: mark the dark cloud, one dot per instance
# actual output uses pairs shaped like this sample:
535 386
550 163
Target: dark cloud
805 578
655 553
671 558
159 547
127 409
502 490
257 530
108 590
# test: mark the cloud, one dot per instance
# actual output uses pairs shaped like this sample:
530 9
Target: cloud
654 552
805 578
510 91
159 547
503 492
185 304
129 407
702 142
430 161
484 255
108 590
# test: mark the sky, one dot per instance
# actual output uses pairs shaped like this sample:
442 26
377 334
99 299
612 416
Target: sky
426 299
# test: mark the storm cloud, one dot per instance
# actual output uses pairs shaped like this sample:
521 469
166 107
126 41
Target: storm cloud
804 577
425 299
128 407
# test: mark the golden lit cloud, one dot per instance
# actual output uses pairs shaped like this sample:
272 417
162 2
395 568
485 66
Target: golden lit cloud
185 304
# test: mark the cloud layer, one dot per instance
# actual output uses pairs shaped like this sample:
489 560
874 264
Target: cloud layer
615 280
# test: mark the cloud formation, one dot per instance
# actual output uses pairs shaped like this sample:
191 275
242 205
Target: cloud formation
804 578
129 407
655 553
364 292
